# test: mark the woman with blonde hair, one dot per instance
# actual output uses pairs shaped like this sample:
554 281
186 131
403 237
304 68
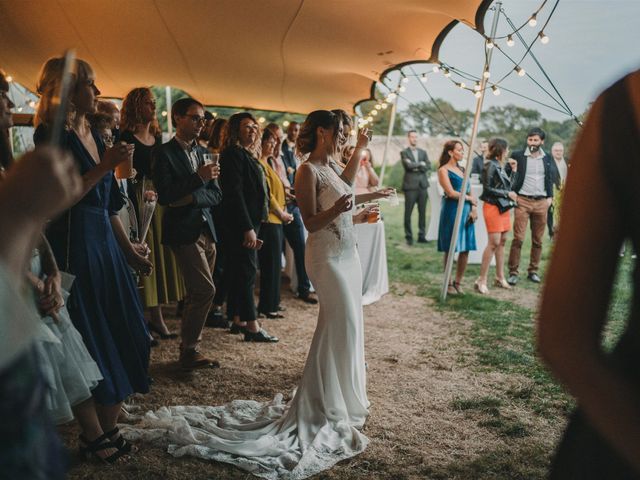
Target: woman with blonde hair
89 241
140 128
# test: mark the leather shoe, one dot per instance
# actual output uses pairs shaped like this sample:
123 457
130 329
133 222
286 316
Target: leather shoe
513 279
216 319
191 359
423 240
260 336
235 328
409 241
533 276
307 298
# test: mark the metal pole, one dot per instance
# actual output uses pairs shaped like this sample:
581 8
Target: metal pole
467 171
392 121
167 94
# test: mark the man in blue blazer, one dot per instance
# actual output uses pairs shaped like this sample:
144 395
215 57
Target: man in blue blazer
188 188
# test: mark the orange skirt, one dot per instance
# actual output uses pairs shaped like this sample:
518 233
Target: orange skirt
496 222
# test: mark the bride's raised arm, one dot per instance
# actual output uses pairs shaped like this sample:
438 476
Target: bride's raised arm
306 182
350 171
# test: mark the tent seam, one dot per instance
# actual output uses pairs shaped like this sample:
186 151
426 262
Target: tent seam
284 39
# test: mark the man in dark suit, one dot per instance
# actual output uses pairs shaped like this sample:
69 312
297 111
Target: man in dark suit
294 231
534 186
245 207
415 185
478 161
189 189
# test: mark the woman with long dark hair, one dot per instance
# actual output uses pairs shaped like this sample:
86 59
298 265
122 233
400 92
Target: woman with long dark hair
90 242
450 177
498 199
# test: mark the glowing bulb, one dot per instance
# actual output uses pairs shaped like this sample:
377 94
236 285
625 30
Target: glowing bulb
32 104
378 107
447 73
405 79
476 87
489 44
436 68
285 124
496 90
374 112
486 74
423 78
384 106
215 114
543 38
520 71
19 109
402 88
369 118
9 78
477 94
533 21
462 85
164 113
262 120
510 41
391 96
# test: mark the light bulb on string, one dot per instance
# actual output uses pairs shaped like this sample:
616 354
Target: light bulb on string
374 112
436 68
520 71
385 106
476 87
405 80
544 39
164 113
533 21
378 106
486 74
19 109
369 118
461 85
510 42
32 104
9 78
262 120
402 88
285 124
489 44
447 72
477 94
423 78
496 90
391 96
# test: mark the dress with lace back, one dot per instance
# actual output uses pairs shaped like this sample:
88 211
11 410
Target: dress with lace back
321 425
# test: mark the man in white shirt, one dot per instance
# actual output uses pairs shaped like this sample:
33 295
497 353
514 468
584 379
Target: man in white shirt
534 186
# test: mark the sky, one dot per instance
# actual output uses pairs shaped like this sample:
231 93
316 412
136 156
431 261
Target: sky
592 43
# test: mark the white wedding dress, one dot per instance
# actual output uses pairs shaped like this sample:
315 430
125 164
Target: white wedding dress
321 425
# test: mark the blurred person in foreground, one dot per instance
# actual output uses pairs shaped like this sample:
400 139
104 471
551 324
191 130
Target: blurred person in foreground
599 212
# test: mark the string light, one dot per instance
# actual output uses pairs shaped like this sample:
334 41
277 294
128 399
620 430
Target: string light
543 38
9 78
19 109
262 120
520 71
461 85
436 68
384 106
164 113
369 118
423 78
378 106
496 90
489 44
391 96
32 104
374 112
405 80
402 88
533 21
285 124
486 74
477 94
510 42
476 87
447 72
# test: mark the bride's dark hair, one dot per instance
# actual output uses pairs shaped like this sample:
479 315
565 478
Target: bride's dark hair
307 139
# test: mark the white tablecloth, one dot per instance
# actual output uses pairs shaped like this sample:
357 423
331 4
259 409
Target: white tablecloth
373 259
435 199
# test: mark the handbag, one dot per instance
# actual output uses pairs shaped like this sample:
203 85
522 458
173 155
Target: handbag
504 204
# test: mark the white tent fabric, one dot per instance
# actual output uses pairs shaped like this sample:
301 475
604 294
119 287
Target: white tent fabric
286 55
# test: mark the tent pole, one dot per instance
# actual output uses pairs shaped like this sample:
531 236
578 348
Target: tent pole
467 171
392 121
167 93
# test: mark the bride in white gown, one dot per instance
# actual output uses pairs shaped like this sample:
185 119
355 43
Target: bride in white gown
321 425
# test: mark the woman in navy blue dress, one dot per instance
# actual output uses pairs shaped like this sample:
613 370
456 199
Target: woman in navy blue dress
450 177
90 242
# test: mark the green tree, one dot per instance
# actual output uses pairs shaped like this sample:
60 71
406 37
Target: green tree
442 119
509 122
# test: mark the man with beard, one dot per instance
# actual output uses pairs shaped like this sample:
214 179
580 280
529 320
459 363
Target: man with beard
534 186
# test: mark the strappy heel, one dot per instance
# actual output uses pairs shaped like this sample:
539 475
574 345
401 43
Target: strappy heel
458 287
89 449
502 284
481 288
120 443
451 290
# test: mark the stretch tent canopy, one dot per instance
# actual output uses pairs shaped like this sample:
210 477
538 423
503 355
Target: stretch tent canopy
286 55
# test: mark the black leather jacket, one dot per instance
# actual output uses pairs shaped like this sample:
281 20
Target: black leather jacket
496 182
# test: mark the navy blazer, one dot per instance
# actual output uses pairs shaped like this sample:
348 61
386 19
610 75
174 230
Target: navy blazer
174 179
289 160
550 171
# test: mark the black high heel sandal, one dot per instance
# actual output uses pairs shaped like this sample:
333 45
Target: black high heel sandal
163 336
120 443
89 449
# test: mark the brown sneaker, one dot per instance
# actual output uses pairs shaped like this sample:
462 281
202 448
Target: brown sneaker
191 359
